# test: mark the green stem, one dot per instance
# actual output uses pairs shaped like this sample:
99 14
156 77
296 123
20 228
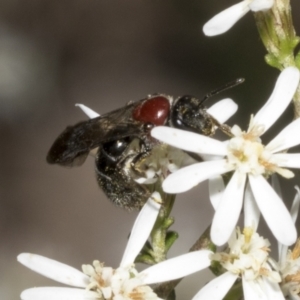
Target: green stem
161 241
163 290
278 35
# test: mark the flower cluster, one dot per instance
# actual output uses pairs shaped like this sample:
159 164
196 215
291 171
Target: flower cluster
244 262
247 255
247 258
249 159
123 283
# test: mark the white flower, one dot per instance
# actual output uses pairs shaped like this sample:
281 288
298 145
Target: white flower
124 283
227 18
247 258
165 159
249 159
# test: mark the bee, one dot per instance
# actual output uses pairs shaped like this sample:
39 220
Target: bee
123 141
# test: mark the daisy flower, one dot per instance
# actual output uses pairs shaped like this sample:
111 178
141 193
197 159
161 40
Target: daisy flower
248 159
123 283
228 17
246 258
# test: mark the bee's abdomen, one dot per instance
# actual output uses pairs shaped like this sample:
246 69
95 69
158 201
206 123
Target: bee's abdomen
117 184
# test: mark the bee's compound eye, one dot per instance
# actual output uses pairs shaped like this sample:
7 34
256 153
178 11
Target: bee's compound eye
153 111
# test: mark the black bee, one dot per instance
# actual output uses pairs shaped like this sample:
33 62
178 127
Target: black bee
123 140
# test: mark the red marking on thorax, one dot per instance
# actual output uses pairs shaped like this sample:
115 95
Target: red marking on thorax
154 110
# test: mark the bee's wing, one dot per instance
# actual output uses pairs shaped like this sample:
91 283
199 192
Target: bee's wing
74 144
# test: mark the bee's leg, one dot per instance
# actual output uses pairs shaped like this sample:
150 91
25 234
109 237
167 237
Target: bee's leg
223 127
114 177
138 161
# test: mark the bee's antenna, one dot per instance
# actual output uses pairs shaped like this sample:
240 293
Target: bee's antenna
227 86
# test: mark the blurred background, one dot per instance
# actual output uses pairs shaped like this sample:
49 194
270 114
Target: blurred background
104 53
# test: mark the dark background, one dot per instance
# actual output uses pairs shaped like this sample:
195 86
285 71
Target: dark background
103 53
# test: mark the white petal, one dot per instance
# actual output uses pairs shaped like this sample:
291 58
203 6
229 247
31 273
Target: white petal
276 184
295 205
189 141
288 160
223 110
252 290
225 19
188 177
251 210
282 249
216 188
282 252
287 138
257 5
141 229
228 211
282 95
88 111
274 211
144 180
177 267
57 293
53 269
272 290
217 288
206 157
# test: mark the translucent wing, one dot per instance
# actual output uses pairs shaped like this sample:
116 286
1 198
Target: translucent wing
74 144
